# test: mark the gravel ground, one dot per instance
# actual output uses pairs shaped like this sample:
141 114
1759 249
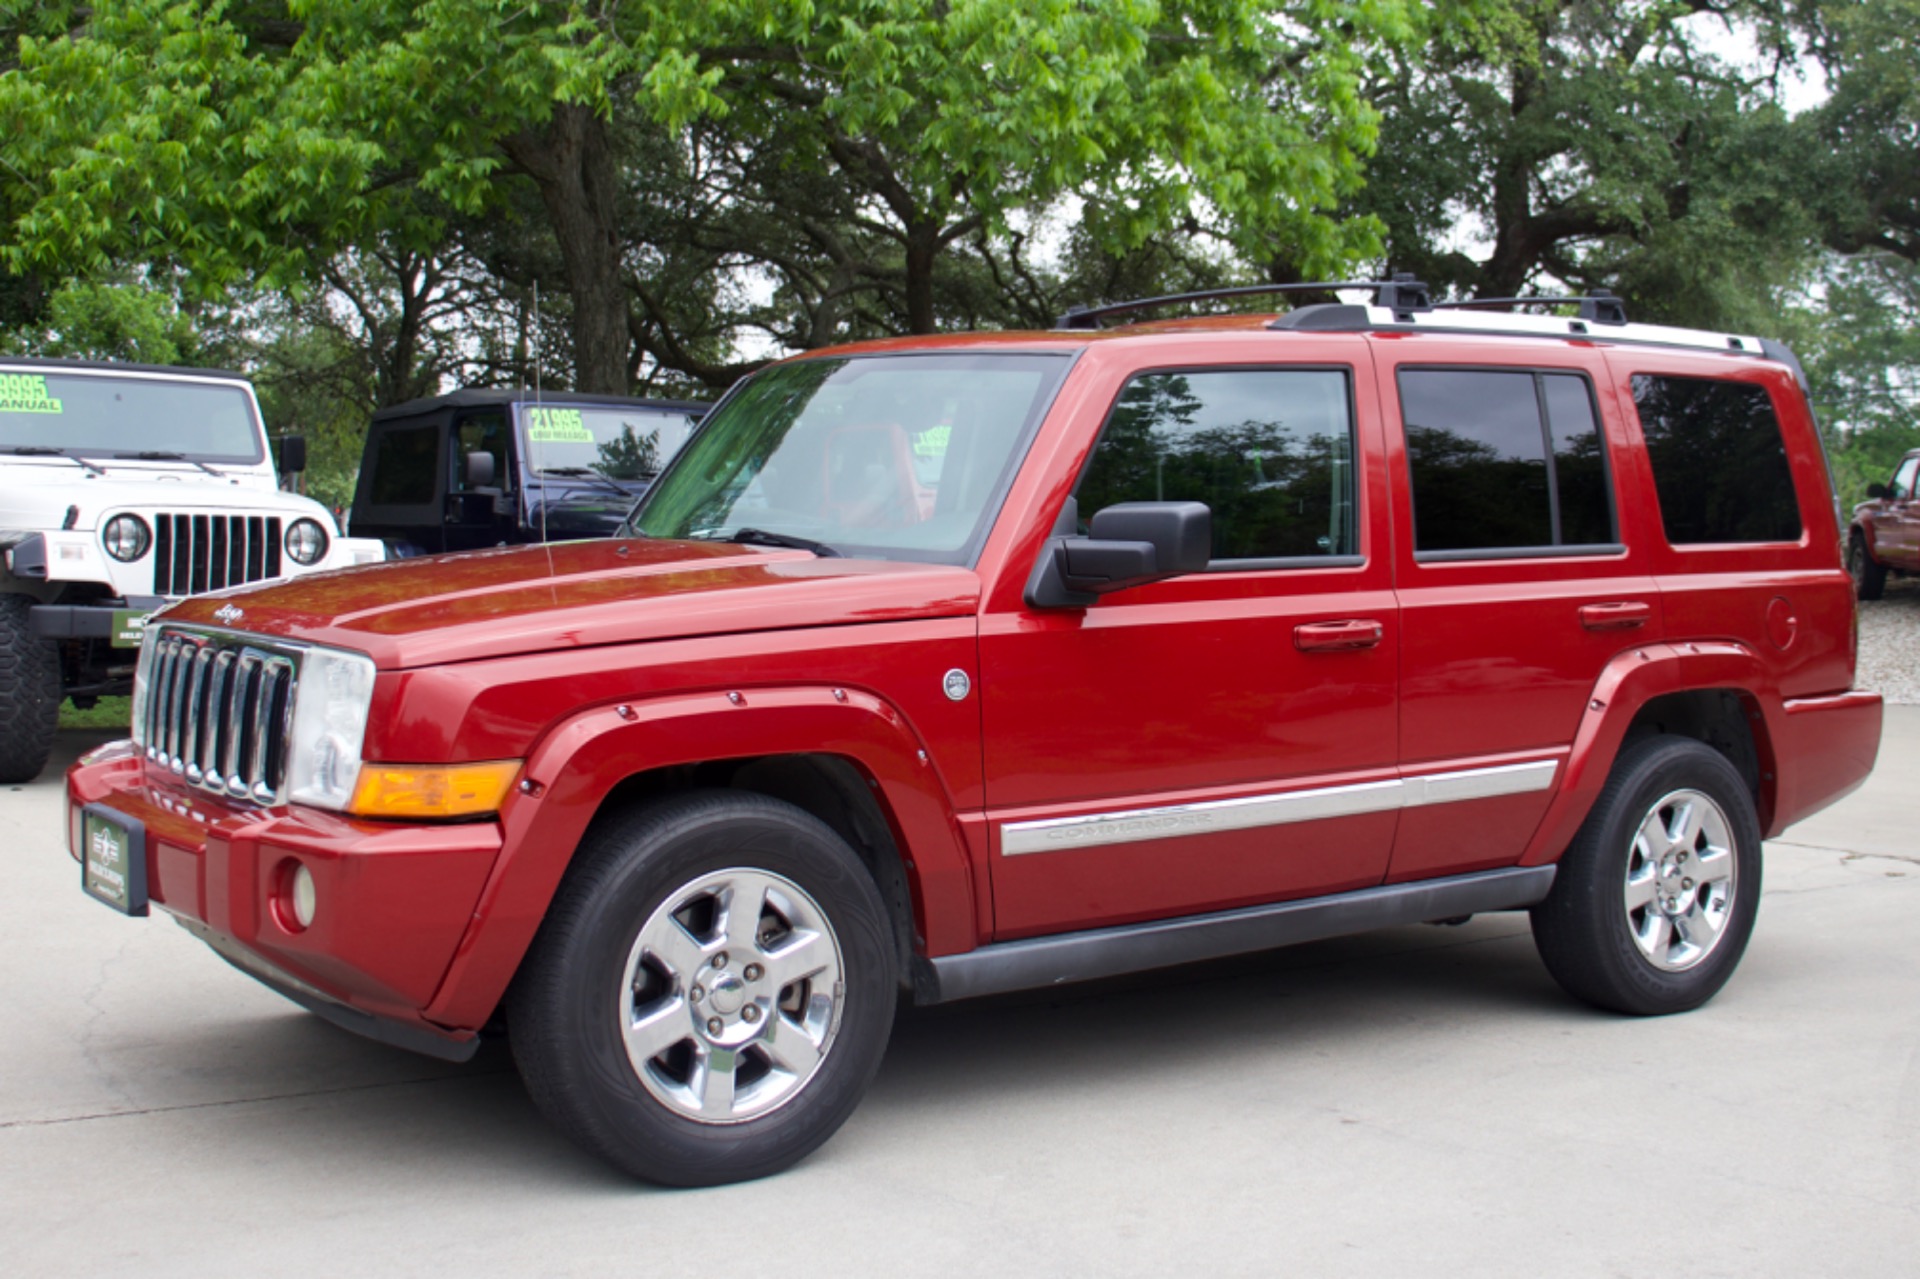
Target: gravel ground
1890 643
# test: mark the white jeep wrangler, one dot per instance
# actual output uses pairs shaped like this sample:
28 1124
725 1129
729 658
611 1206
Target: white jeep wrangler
124 487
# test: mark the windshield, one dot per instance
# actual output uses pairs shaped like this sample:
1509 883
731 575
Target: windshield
898 457
104 415
618 443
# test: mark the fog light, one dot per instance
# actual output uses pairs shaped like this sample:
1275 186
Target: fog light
301 895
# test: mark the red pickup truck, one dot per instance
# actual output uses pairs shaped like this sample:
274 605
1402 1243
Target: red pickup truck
1885 537
957 665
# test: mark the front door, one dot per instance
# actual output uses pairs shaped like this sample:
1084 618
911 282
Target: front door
1218 739
479 514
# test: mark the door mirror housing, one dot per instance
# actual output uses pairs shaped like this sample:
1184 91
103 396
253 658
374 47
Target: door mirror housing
1128 544
478 473
293 454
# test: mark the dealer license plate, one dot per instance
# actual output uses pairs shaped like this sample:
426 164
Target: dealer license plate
127 625
113 859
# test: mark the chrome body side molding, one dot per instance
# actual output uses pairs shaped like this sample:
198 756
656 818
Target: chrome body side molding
1129 826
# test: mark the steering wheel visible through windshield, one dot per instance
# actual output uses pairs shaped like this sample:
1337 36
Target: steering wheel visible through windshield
885 456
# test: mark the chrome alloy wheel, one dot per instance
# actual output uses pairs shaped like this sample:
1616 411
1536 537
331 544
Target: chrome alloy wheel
1680 880
732 995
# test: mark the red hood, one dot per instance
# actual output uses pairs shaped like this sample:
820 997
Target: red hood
452 608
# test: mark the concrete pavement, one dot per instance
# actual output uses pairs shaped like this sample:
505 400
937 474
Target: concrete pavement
1419 1101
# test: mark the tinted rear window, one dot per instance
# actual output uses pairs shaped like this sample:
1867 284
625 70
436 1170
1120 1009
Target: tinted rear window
405 466
1504 460
1718 460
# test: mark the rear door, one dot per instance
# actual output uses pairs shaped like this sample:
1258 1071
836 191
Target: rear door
1516 583
1226 737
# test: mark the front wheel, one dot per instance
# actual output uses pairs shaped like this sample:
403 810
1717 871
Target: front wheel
1869 576
29 693
711 992
1654 902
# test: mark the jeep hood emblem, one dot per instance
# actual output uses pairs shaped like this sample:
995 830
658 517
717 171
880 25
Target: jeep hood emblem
229 614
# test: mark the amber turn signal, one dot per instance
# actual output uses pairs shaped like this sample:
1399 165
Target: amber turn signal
432 790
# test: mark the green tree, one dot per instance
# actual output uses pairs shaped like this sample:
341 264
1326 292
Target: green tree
254 141
1594 145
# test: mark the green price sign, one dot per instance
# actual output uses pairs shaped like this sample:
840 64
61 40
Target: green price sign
557 426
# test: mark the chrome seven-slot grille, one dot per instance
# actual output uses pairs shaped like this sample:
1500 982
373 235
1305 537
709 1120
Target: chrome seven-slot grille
195 553
218 712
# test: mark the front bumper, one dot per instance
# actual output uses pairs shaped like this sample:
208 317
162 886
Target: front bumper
392 901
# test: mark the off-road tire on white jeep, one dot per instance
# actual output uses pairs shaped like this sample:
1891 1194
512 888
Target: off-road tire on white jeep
681 1038
29 693
1869 577
1655 900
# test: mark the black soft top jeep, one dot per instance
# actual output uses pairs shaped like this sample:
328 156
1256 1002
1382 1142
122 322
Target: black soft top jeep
476 468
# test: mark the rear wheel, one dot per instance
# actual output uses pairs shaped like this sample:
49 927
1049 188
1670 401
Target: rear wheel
711 992
1654 902
29 693
1869 577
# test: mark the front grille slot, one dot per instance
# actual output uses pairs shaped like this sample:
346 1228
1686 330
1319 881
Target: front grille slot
195 553
218 712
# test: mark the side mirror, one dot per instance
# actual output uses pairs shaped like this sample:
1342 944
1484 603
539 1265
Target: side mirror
1879 492
478 473
293 454
1129 544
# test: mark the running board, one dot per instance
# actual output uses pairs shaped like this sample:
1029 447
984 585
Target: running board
1113 952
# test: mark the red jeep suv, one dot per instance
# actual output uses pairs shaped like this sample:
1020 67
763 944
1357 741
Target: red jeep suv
957 665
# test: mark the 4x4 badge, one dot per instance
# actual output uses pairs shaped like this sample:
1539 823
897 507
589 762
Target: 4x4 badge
229 614
956 684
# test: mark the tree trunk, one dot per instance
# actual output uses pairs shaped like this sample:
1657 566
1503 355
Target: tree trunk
572 163
923 248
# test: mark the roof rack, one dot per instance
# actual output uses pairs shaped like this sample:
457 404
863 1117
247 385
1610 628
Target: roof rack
1403 304
1600 306
1400 294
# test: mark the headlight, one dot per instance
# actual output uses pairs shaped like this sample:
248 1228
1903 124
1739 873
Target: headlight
126 538
306 542
329 726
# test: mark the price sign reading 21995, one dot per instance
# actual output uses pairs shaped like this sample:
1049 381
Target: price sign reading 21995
557 426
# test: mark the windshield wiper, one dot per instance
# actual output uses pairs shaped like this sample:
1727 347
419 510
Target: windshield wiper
761 537
42 450
160 455
582 473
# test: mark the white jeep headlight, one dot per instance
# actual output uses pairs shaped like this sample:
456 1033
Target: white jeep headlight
306 543
329 727
126 538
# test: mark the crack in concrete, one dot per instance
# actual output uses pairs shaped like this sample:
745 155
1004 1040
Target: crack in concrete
250 1101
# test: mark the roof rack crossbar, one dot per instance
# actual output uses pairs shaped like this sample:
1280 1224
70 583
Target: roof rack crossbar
1599 306
1401 293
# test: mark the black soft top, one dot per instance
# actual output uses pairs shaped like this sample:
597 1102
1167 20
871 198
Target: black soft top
482 397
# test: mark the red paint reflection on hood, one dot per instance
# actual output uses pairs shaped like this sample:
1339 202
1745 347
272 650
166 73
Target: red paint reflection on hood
495 603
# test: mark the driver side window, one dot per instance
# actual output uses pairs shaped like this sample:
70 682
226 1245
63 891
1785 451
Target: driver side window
1270 451
1903 480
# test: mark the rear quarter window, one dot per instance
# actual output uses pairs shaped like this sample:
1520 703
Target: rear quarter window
1719 462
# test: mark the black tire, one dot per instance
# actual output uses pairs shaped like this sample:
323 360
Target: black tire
29 693
1869 576
1599 946
564 1010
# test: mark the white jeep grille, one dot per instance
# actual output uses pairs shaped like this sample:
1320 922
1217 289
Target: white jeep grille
195 553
